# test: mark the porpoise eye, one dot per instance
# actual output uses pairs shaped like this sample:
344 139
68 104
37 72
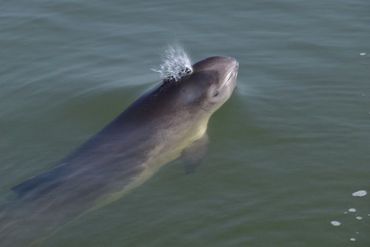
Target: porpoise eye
216 93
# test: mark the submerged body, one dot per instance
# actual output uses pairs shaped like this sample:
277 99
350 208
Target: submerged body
155 129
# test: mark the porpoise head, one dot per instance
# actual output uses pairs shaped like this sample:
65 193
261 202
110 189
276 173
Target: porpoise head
207 88
215 80
185 104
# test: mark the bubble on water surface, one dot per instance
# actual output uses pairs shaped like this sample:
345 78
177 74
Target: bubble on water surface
335 223
359 193
352 210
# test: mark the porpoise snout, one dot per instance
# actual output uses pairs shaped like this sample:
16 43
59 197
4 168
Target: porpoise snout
233 63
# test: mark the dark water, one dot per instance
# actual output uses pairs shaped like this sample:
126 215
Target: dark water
287 151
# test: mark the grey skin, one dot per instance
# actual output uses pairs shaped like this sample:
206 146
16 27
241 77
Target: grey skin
158 127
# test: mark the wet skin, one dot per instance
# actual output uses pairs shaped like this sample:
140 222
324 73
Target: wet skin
157 128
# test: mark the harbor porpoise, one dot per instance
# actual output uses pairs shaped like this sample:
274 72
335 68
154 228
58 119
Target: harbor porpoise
160 126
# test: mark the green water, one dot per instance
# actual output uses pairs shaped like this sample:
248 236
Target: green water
286 152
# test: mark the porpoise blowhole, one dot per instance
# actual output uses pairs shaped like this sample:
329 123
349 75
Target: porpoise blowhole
176 64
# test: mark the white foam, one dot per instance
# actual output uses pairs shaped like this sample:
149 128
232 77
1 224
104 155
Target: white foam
175 65
335 223
358 218
352 239
360 193
363 54
352 210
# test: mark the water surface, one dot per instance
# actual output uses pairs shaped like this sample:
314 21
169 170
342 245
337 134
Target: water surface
287 151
